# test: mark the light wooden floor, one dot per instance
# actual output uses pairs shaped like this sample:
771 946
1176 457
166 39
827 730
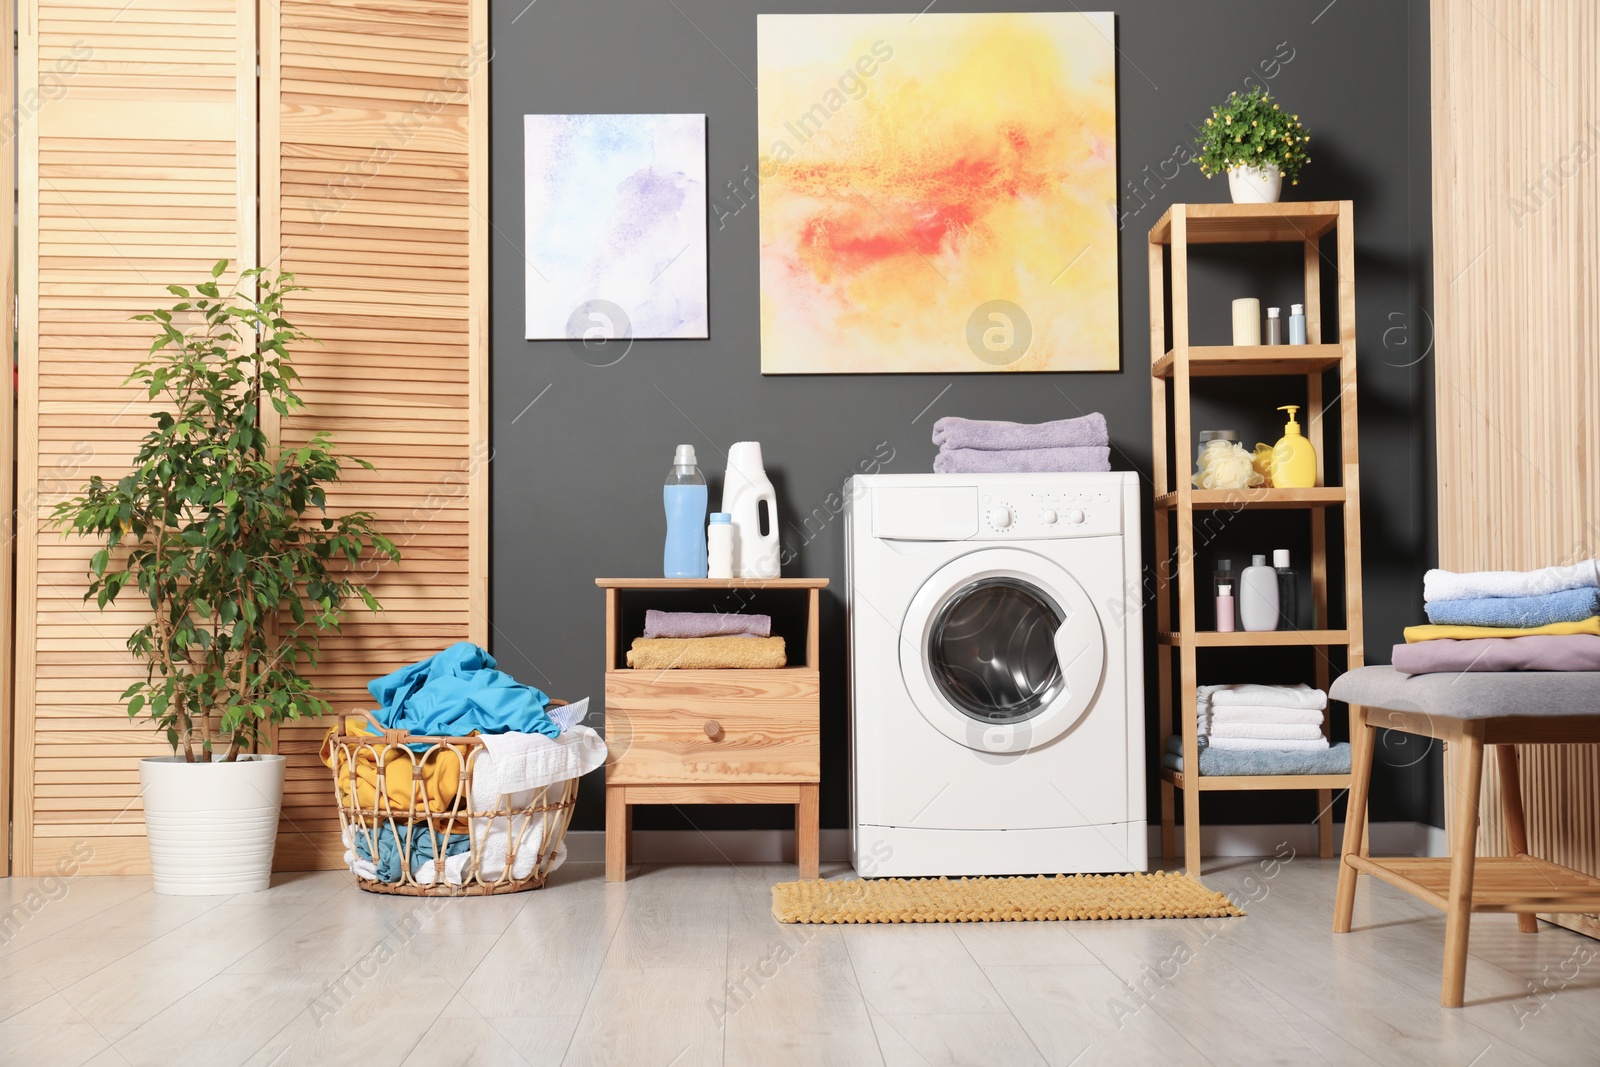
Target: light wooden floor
685 966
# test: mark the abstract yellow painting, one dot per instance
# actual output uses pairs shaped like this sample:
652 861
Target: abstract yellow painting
937 193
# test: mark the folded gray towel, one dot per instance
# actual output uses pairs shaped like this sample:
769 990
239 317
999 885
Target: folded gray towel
1335 759
1022 461
1088 431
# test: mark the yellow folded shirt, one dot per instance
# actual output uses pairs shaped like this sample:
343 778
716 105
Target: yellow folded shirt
1466 633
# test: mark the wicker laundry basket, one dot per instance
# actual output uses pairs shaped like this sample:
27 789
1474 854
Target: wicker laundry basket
407 796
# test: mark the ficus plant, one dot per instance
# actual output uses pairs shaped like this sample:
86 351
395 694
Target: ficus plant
222 531
1251 130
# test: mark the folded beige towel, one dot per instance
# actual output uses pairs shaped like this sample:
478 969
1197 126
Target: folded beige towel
703 653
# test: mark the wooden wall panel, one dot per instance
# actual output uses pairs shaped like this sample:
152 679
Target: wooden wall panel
137 169
1516 218
376 198
8 277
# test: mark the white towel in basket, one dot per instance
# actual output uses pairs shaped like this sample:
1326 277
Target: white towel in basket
509 773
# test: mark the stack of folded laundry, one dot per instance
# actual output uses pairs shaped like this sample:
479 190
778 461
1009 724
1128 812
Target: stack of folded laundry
967 446
1250 729
1254 717
1540 620
706 641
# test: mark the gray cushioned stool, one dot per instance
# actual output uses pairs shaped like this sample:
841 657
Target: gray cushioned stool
1468 710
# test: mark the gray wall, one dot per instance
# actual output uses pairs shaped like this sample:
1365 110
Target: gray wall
576 475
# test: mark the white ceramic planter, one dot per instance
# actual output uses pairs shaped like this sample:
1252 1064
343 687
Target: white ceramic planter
1254 185
212 826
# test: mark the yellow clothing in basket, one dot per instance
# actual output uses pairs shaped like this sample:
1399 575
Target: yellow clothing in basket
704 653
410 778
1467 633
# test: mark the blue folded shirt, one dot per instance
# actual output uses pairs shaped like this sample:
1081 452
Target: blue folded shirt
1569 605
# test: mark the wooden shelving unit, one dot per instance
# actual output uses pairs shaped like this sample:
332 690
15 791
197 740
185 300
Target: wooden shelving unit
1173 366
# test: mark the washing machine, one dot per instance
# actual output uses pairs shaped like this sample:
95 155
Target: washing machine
996 674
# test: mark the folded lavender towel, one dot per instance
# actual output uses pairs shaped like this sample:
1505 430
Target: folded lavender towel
1566 652
705 624
1021 461
1088 431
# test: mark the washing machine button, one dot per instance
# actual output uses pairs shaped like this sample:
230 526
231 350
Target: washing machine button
1001 518
1048 516
1076 516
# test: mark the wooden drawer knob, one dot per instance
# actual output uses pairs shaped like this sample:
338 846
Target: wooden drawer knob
714 729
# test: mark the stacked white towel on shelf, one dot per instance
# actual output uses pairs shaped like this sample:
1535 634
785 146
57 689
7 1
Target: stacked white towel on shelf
1249 716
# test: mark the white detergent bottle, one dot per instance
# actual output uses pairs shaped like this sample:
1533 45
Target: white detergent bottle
745 491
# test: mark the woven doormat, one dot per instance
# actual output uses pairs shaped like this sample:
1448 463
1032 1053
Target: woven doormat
1162 895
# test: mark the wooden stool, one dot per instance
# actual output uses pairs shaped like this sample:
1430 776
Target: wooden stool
1468 710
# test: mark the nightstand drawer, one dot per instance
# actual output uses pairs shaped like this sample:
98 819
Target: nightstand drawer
712 726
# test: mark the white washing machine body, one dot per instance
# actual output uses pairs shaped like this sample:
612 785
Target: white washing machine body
996 674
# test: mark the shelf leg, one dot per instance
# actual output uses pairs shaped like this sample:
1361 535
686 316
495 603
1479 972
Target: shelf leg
1169 819
1325 823
619 822
1191 828
807 832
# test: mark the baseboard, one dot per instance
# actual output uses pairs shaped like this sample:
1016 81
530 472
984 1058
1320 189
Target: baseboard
777 846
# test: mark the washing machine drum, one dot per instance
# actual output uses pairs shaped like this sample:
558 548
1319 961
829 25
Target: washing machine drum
1002 650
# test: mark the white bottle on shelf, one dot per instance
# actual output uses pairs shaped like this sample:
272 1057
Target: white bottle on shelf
1258 596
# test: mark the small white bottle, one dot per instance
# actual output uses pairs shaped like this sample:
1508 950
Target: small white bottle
1297 324
719 545
1258 596
1224 609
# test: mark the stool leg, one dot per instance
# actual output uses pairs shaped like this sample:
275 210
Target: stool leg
1516 825
1355 817
1463 855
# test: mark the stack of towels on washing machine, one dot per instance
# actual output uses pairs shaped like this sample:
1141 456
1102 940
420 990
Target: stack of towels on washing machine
969 446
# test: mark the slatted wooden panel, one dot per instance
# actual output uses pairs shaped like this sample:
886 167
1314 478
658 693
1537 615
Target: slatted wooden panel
137 168
376 198
8 277
1516 206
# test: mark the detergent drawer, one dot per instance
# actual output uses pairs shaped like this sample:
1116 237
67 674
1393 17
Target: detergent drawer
731 726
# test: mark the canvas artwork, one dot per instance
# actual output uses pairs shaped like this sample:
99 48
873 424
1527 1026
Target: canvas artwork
616 226
937 193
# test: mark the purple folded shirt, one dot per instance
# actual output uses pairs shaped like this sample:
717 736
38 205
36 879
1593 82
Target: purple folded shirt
1562 652
1021 461
1090 431
705 624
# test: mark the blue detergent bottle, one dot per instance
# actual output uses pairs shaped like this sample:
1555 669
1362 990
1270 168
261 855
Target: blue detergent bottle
684 497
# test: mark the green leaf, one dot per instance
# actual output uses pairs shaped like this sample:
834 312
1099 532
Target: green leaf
217 268
97 562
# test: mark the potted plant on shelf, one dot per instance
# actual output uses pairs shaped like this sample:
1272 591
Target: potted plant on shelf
1256 143
225 535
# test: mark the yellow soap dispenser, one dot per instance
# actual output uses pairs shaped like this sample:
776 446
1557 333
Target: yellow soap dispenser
1294 463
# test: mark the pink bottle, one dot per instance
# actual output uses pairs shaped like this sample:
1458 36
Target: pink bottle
1224 609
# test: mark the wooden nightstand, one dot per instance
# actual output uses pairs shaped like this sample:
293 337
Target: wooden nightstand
712 736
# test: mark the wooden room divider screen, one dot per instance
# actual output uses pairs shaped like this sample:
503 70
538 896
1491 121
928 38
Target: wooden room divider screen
142 157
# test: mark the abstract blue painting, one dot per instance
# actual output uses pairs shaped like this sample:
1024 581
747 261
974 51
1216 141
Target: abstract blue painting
616 226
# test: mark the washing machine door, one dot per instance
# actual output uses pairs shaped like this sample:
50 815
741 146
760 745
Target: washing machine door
1002 650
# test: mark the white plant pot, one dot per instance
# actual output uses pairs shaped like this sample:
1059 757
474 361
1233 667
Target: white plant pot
1254 185
212 826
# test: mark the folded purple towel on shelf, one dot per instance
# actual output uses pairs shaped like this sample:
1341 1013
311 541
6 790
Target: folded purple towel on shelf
1088 431
1563 652
1021 461
705 624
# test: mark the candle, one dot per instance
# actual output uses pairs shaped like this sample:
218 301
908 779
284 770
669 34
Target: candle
1247 321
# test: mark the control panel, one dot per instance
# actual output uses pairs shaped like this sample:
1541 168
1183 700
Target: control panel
1027 512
